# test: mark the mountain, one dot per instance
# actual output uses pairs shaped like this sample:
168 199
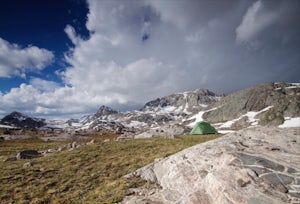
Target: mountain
265 104
187 102
17 119
104 111
101 120
276 104
154 113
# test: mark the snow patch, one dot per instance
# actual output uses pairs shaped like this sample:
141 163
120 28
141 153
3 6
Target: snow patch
290 122
135 123
225 131
7 126
292 86
198 117
250 115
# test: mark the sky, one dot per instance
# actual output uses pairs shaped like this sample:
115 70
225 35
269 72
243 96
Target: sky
66 58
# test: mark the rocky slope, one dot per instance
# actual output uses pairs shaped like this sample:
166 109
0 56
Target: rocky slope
256 165
265 104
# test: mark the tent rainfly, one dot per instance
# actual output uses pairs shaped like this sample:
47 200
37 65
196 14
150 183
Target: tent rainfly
202 128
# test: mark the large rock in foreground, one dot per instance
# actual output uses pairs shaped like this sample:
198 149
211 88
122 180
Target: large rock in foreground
257 165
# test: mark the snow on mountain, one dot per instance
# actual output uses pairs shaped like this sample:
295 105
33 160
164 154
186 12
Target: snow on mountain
174 107
199 117
251 118
55 124
7 126
265 104
274 104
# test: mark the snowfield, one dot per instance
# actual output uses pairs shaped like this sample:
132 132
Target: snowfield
290 122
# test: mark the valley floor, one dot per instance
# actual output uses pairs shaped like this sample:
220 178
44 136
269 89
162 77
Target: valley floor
88 174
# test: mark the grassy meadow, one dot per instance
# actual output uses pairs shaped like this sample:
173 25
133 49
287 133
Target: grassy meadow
89 174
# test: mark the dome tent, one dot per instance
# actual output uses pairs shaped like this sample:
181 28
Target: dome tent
202 128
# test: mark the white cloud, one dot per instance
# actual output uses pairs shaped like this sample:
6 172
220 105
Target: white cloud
256 20
43 85
70 31
63 101
15 60
191 44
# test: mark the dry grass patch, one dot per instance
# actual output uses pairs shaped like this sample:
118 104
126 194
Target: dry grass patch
89 174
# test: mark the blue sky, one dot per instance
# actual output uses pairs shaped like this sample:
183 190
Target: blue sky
41 23
65 58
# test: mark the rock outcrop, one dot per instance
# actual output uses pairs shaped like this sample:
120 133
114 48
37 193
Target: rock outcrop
255 165
28 154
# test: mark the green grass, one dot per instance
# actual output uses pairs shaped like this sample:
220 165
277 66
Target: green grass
89 174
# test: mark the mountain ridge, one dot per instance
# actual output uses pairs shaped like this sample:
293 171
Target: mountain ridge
263 104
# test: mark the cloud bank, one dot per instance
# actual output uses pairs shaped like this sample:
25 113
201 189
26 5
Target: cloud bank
15 60
140 50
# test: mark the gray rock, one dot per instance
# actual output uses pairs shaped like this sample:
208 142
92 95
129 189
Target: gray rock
62 148
91 142
218 172
51 151
27 154
27 165
75 145
10 158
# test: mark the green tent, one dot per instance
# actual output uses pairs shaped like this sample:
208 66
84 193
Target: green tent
202 128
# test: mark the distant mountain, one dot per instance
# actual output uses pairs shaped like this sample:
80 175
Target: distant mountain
17 119
104 111
154 113
101 120
190 101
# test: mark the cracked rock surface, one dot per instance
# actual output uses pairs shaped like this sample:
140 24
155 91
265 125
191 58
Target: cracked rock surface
255 165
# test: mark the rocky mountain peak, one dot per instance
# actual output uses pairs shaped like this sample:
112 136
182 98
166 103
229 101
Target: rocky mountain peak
21 120
191 101
104 111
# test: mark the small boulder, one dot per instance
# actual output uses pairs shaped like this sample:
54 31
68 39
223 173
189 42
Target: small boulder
91 142
10 158
75 145
27 165
27 154
51 151
62 148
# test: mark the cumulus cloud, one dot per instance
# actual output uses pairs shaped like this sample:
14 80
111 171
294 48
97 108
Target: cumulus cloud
122 65
189 44
43 85
15 60
62 102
